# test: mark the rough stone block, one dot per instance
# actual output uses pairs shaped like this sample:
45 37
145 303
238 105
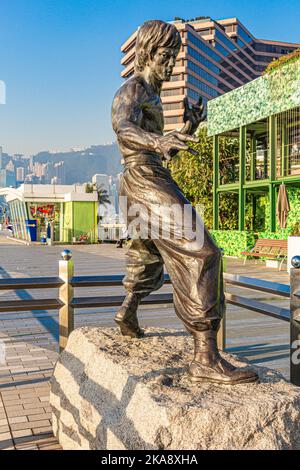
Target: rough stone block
109 392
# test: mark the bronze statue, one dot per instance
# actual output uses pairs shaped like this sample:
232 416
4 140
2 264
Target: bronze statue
195 268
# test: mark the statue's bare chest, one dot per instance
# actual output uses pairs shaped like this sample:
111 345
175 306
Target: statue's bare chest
151 117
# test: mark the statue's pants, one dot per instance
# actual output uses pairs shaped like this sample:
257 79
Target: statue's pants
192 259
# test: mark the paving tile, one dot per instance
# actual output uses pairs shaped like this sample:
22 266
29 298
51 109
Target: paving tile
13 409
20 426
46 429
49 447
9 395
18 419
29 412
6 444
10 403
30 406
4 428
32 400
4 436
40 424
27 447
40 417
21 433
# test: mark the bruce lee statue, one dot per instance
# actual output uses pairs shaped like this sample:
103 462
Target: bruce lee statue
195 269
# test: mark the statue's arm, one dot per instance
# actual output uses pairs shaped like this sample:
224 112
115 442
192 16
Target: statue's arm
126 116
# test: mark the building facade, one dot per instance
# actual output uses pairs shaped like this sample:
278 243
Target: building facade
215 58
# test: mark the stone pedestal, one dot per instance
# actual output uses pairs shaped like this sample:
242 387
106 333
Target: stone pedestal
109 392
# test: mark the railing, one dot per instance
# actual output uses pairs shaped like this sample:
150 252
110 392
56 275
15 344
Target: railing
66 302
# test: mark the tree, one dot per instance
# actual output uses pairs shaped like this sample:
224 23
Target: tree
194 176
103 196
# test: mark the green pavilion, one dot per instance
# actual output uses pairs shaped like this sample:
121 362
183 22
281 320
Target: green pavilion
262 120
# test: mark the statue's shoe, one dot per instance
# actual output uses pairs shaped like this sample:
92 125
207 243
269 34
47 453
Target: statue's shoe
128 324
222 373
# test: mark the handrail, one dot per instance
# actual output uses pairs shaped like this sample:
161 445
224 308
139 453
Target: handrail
259 307
117 300
30 283
275 288
66 303
103 281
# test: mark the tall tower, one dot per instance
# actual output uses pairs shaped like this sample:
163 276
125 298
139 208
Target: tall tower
1 163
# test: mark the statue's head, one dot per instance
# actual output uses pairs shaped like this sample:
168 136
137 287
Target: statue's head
157 46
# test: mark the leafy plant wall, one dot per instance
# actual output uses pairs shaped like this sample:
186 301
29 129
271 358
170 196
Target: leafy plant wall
233 242
270 94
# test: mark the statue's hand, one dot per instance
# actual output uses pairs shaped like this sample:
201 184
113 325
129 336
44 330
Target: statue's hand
174 141
193 116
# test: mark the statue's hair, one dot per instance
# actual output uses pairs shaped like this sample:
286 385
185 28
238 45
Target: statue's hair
152 35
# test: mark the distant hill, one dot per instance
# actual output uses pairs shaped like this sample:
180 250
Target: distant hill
81 165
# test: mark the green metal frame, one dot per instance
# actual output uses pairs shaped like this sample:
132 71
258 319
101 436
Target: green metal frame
216 181
269 186
242 173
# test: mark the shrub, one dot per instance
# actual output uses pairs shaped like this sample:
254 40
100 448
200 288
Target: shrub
233 242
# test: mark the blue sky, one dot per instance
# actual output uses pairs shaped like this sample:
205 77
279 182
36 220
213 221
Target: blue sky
60 60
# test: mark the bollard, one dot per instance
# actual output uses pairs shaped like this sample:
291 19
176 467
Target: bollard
295 322
221 336
66 312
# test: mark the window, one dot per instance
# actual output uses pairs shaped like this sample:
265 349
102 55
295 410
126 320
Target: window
225 40
202 73
173 92
202 86
175 78
172 120
171 106
203 60
195 96
203 47
244 35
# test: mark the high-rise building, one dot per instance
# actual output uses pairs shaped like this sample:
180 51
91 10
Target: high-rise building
7 179
215 57
1 162
20 174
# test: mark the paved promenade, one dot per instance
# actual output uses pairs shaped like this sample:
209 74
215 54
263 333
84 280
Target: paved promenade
30 338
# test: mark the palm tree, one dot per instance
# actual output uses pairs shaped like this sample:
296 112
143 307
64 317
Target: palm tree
103 196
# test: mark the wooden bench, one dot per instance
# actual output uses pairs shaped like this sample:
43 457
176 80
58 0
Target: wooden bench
269 249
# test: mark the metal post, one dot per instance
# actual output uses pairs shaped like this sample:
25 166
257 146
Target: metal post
221 335
272 196
242 168
295 322
66 312
216 180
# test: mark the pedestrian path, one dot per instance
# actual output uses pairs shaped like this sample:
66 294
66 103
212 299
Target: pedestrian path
31 338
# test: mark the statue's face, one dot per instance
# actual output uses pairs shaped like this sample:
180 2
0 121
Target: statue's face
163 62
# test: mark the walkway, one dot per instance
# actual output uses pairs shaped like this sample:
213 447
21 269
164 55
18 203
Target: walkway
30 338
